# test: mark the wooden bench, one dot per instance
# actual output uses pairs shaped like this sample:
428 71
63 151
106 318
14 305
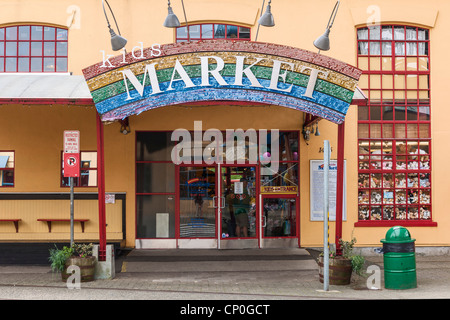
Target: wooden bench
49 222
15 221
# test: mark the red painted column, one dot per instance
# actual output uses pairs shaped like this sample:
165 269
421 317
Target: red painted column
339 186
101 190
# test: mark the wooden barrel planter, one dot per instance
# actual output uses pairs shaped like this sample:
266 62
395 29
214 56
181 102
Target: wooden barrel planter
340 271
86 265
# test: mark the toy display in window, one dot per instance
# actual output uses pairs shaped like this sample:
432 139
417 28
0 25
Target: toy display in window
413 213
400 197
402 150
425 213
413 180
376 197
421 159
363 180
400 213
363 197
424 180
388 197
375 213
375 180
400 180
364 213
388 181
424 197
388 213
413 197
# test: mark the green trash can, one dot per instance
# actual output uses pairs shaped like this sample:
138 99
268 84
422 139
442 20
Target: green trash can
399 259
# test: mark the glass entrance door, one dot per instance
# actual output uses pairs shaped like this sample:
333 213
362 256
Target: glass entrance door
197 205
239 209
279 221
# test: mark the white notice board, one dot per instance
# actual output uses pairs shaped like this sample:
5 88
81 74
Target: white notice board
316 190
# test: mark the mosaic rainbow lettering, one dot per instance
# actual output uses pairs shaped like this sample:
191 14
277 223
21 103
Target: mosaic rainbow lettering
222 70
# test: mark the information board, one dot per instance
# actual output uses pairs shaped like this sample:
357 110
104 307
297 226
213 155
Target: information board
317 188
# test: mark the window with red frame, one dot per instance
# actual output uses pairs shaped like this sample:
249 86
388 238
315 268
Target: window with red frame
33 48
7 168
88 172
210 31
394 165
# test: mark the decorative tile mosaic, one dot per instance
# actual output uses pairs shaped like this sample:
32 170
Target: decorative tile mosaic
333 91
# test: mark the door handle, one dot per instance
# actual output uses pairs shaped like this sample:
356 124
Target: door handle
214 202
223 202
265 221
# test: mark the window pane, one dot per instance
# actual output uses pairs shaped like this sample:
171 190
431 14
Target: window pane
194 31
24 33
36 33
49 33
152 212
207 31
49 64
11 48
2 33
36 65
11 33
2 65
244 33
88 178
11 65
24 49
155 177
36 49
49 49
61 34
2 48
24 64
219 31
232 32
182 32
61 48
61 64
154 146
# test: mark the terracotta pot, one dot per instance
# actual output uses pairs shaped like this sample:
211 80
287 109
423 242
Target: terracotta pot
340 271
86 265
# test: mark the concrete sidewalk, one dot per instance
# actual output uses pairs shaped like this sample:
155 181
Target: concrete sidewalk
264 274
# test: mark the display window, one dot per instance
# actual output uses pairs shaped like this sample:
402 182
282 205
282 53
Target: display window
394 139
7 160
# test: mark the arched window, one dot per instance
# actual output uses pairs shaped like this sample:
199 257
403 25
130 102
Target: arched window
33 48
394 126
208 31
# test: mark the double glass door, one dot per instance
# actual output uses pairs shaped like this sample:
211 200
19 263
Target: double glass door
221 206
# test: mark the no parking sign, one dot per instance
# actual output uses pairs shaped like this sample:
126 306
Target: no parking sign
71 154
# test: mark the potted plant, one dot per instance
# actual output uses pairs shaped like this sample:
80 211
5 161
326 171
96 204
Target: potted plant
79 255
342 267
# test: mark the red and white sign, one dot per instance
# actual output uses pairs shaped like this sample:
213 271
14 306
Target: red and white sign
72 153
72 141
71 165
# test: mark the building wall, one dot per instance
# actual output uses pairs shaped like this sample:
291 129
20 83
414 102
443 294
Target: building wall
35 132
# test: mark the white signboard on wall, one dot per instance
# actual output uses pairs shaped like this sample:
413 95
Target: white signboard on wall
316 190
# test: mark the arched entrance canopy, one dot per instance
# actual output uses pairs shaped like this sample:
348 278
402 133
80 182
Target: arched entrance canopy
222 70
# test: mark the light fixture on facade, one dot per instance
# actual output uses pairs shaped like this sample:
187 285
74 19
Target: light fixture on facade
171 19
117 41
265 19
323 42
317 130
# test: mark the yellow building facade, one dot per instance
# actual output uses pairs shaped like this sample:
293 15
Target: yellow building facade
47 48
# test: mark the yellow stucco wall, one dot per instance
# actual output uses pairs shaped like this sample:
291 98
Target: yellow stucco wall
35 132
